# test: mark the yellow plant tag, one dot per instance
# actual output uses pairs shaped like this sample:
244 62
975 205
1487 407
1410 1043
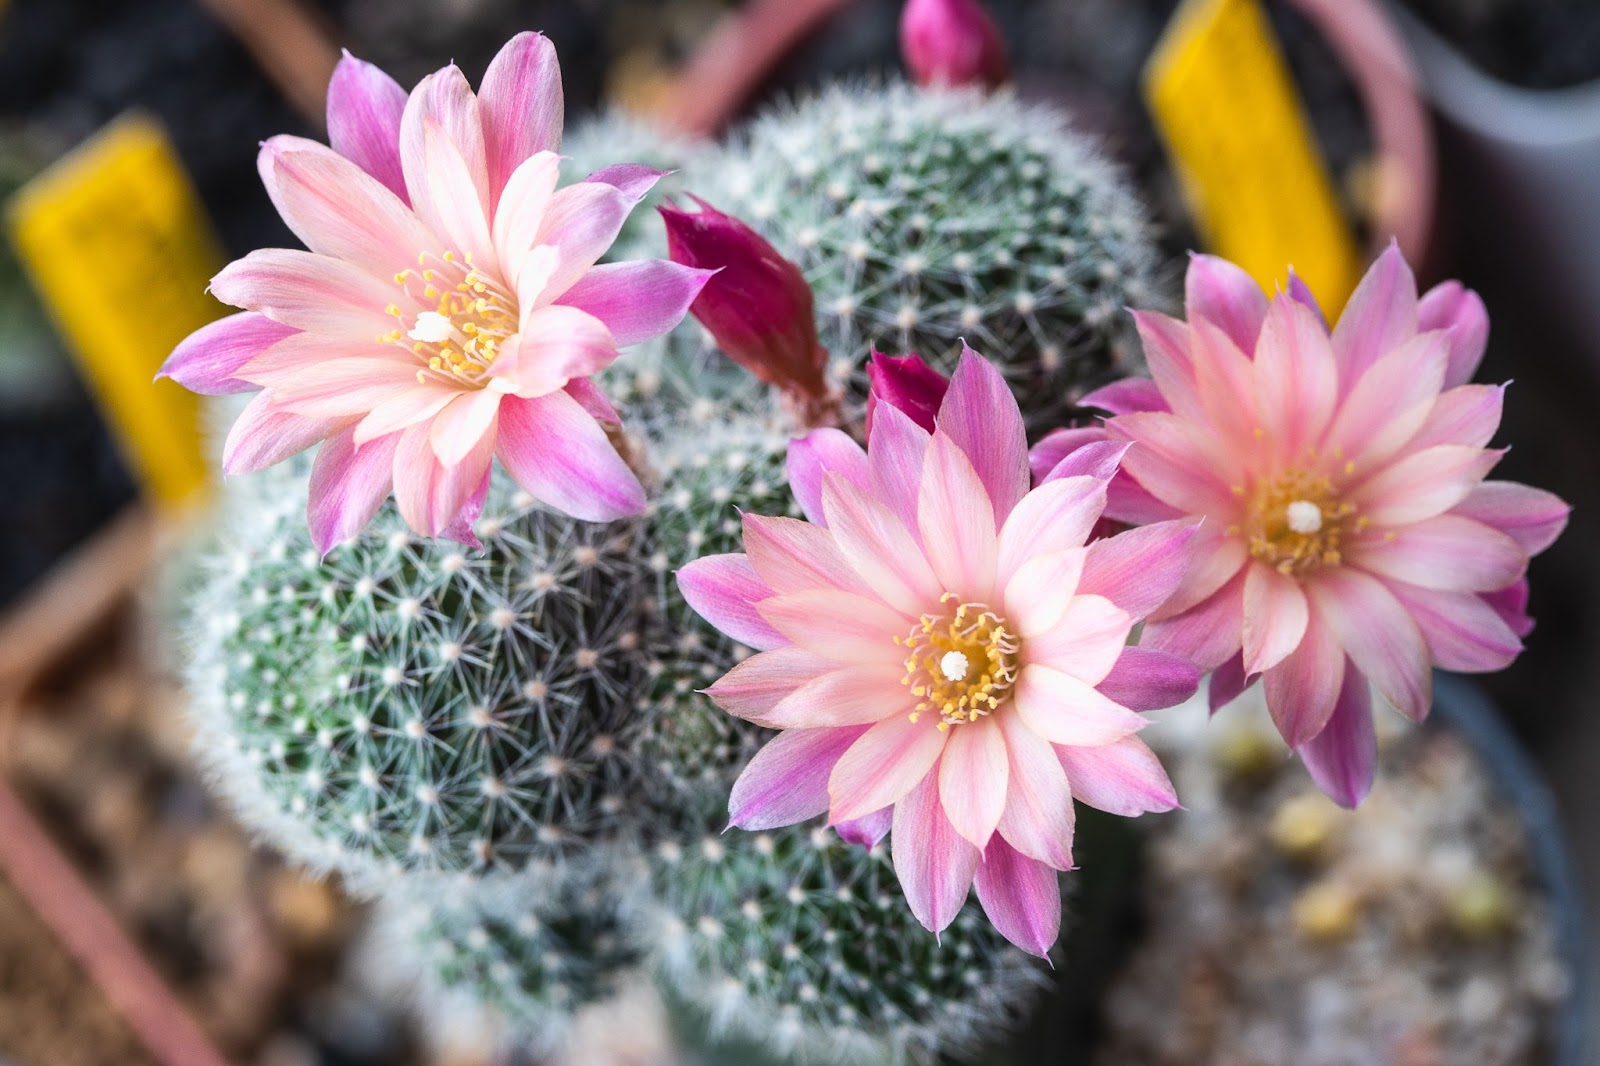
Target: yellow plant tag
1225 104
121 251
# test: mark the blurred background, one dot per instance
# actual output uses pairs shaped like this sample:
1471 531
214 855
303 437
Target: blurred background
91 739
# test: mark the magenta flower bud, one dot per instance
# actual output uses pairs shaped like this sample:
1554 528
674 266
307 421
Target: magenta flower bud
953 42
906 382
757 306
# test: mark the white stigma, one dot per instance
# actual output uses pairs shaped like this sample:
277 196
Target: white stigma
954 666
432 328
1304 516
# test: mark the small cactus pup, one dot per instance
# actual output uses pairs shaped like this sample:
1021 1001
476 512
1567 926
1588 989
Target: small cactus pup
508 957
407 704
927 217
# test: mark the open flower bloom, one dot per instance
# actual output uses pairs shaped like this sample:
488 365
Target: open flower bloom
944 655
449 308
1350 540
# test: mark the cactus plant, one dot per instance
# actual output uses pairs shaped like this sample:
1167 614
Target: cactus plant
411 704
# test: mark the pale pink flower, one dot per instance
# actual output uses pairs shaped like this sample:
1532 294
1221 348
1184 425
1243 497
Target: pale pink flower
1350 540
943 653
449 308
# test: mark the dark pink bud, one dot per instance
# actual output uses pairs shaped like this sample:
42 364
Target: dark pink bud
952 42
757 306
906 382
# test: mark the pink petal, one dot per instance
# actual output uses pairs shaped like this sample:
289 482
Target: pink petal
1344 756
1445 552
1060 443
868 831
1390 403
819 452
973 775
1275 615
1064 710
1462 631
894 462
348 485
1378 635
1124 778
520 216
1102 461
957 521
753 687
309 292
1168 351
1208 634
1296 379
557 345
1145 680
1222 293
264 435
1511 605
1381 316
787 781
593 401
878 548
889 760
1127 501
522 105
1461 313
1227 682
404 409
1228 386
1140 570
934 864
638 300
1126 396
1041 590
1532 517
1039 818
724 590
794 556
1051 518
446 169
339 210
1423 484
430 495
553 448
634 180
582 223
364 109
981 416
1467 414
206 360
462 528
1180 463
1299 290
1021 896
838 625
331 388
1301 690
1087 641
858 694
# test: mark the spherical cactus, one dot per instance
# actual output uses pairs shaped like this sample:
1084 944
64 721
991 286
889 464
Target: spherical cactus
803 941
515 955
926 217
414 704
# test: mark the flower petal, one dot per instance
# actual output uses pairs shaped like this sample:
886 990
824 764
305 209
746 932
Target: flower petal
878 548
310 292
1463 632
1168 351
1126 396
447 171
859 694
1460 312
1145 680
894 462
638 300
264 435
1102 461
520 215
582 223
1041 590
1343 758
348 485
973 775
1124 778
1222 293
837 625
1301 690
1445 552
206 360
1378 635
981 416
1051 518
933 862
1140 570
461 426
553 448
794 556
364 109
1423 484
431 496
1467 414
1275 614
1064 710
957 522
1039 818
1208 634
1532 517
1296 379
1021 896
1391 402
725 591
405 409
889 760
1060 443
522 106
787 781
1180 463
632 179
753 687
1228 682
1086 642
1381 316
868 831
559 344
819 452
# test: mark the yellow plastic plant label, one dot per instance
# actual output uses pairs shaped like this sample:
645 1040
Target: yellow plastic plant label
121 251
1224 102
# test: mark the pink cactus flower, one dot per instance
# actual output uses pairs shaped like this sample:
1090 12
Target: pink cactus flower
449 308
953 43
944 655
1350 541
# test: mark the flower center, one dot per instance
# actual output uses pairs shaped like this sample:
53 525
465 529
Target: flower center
472 316
1296 522
960 666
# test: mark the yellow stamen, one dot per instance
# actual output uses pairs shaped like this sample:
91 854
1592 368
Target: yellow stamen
961 666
